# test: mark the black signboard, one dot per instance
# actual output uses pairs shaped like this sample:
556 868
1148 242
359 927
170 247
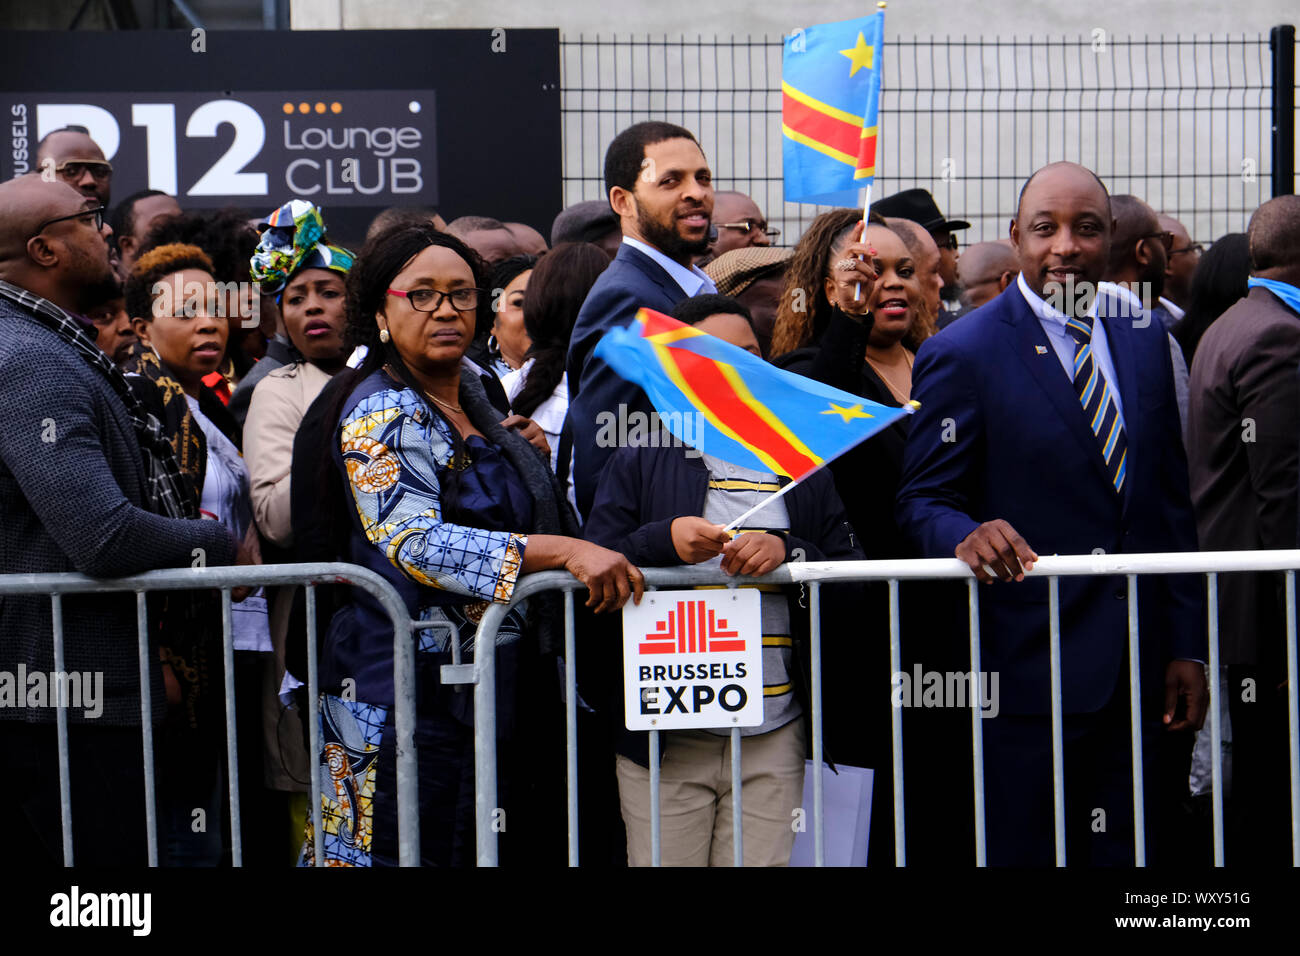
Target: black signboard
465 121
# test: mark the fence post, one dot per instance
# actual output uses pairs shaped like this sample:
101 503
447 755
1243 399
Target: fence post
1281 41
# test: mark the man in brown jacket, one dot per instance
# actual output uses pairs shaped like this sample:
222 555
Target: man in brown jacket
1244 419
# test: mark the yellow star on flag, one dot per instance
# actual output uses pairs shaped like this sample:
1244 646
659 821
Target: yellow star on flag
848 414
859 56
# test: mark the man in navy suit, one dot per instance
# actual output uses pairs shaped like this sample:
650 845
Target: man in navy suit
660 186
1042 432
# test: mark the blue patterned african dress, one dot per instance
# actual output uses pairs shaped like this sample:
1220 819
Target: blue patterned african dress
395 457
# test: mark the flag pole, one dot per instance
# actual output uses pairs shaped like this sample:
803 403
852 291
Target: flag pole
768 500
866 211
866 201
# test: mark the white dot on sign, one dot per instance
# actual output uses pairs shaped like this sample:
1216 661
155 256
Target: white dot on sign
413 106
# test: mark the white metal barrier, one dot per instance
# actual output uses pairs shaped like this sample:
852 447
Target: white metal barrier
481 674
224 579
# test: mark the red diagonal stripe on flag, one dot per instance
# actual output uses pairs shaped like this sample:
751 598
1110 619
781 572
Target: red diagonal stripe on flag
828 130
710 386
867 154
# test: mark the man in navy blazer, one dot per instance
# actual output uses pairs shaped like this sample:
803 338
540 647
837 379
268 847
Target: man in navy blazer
660 186
1002 464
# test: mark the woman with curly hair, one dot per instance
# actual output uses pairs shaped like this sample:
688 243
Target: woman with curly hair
850 316
864 316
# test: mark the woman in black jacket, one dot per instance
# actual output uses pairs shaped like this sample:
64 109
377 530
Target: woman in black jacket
860 333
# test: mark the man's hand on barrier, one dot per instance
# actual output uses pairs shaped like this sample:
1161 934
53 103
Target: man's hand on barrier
696 540
250 552
1185 681
531 432
609 577
995 549
753 553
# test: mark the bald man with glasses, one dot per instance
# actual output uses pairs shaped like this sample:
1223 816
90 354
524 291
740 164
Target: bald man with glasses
87 484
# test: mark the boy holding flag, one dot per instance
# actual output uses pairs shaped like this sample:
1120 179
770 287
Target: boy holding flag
671 505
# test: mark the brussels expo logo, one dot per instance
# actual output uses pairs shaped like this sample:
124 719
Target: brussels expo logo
359 147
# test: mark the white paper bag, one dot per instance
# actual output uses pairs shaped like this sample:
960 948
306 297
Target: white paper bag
846 802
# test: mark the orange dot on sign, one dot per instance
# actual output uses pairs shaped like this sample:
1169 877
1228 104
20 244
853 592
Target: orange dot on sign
336 107
304 108
320 107
288 107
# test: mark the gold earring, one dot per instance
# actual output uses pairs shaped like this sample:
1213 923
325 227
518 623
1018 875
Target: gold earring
384 336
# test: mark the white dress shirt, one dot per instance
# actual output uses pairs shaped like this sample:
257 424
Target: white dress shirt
1053 323
693 280
1172 309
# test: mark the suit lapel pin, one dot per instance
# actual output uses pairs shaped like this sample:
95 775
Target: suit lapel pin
1040 349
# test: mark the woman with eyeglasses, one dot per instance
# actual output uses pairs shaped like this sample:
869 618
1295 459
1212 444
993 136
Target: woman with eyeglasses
433 493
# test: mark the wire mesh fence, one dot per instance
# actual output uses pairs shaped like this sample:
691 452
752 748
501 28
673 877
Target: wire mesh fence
1181 122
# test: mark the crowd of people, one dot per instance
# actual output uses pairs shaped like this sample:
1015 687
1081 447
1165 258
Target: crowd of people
192 388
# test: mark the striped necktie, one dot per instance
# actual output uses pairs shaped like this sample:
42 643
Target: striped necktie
1098 402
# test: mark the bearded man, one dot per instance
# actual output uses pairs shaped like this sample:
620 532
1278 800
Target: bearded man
661 188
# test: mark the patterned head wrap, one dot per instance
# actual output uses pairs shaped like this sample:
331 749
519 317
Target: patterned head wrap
291 240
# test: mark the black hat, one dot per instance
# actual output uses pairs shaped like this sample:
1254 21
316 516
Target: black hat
919 206
588 221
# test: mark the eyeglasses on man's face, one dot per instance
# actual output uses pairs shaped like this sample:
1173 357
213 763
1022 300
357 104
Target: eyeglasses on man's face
97 213
74 169
430 300
1166 239
1195 248
745 225
949 243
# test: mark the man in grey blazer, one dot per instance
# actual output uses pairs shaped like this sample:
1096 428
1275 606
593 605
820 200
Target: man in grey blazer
1242 453
83 479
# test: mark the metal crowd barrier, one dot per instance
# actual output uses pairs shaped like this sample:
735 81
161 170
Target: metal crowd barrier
482 674
226 578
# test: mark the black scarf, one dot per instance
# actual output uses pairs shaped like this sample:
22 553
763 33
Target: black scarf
551 512
165 491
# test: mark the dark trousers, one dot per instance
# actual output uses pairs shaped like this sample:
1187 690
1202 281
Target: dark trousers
107 794
264 813
445 751
529 819
1098 786
1257 813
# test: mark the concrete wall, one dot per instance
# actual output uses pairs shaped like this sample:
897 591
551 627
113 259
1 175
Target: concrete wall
988 18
